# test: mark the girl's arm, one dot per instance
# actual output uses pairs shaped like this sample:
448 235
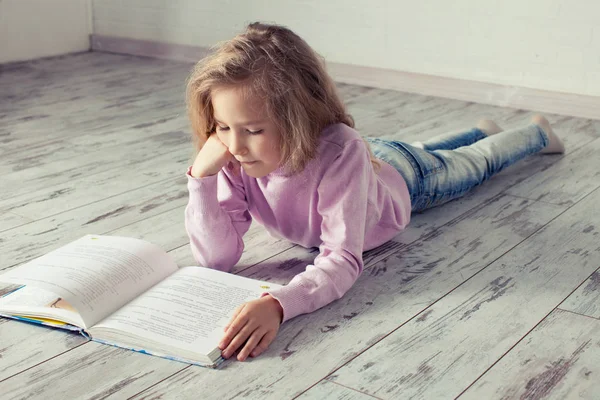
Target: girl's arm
216 219
343 196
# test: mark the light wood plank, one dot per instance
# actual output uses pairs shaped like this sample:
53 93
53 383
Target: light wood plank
41 83
567 182
386 295
383 112
464 333
183 255
43 138
37 125
108 112
10 220
26 345
79 376
559 359
329 390
86 190
586 299
47 170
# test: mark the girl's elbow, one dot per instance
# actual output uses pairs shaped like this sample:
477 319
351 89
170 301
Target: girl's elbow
219 262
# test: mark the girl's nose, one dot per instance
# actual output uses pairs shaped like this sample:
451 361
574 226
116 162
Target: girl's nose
237 145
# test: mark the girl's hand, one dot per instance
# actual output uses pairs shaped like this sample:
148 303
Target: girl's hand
213 156
255 323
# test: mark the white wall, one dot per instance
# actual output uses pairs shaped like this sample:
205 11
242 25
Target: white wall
542 44
38 28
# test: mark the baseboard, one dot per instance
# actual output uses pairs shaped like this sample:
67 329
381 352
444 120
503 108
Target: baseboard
570 104
147 48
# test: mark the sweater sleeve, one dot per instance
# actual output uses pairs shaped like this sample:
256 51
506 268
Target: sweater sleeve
342 204
216 219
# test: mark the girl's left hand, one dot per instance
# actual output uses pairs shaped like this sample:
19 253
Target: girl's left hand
255 323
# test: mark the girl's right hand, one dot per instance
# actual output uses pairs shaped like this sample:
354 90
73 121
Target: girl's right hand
213 156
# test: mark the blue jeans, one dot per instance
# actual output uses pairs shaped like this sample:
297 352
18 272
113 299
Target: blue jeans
447 167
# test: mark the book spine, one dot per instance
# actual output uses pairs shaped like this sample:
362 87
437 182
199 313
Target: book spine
155 354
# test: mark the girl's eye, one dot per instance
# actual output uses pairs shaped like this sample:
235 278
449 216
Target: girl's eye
255 132
221 128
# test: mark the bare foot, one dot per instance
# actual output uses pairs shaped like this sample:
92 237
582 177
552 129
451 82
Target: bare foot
555 145
488 127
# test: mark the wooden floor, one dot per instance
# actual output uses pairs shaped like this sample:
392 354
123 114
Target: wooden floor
494 296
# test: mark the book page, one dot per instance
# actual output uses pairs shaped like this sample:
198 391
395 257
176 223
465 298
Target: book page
96 274
188 310
26 300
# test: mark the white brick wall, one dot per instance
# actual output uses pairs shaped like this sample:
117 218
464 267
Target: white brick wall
542 44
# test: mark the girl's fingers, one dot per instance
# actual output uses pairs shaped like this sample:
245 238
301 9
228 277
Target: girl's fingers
251 343
238 322
263 344
238 340
233 317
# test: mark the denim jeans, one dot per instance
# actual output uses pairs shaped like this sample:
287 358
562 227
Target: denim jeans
447 167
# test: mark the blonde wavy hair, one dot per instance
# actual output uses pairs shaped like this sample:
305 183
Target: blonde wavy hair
273 63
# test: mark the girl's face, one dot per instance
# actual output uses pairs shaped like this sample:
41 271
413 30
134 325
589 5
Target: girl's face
244 127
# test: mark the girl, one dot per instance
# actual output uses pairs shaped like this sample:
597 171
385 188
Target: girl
276 145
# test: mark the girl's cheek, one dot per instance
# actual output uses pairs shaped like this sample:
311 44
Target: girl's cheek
223 139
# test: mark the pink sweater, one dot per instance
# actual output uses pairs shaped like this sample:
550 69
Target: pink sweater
337 203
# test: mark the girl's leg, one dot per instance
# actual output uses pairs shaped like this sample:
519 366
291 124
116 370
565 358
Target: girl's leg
406 160
435 177
452 141
449 174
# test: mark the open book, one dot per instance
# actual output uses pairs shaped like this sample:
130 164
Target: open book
129 293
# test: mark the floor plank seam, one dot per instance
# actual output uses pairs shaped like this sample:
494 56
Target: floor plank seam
28 221
339 384
268 258
504 355
576 313
101 171
46 360
143 219
19 215
539 201
161 380
94 202
119 164
250 266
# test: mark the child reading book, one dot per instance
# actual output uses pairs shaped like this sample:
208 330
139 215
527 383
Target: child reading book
128 293
276 145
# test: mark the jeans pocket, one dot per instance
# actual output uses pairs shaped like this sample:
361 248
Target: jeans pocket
427 162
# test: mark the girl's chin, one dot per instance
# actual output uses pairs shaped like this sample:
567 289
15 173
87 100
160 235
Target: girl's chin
256 169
